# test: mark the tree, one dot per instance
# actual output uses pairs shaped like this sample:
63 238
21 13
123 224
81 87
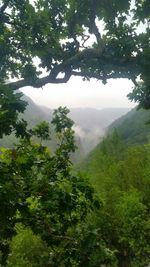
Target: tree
39 190
57 34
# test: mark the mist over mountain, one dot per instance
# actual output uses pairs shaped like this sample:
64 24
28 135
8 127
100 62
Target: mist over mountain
90 124
91 117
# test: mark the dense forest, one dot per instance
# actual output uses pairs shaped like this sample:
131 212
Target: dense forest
54 213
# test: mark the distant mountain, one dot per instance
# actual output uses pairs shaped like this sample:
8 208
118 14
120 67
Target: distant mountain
133 127
34 113
90 124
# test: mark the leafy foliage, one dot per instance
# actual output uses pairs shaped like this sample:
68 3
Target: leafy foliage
10 106
57 34
41 131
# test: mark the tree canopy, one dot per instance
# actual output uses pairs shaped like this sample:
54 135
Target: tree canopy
68 39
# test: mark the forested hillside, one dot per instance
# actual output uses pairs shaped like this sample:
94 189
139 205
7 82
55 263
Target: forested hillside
133 127
130 129
120 175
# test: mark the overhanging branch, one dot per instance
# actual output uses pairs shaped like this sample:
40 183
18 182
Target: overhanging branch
64 67
40 82
69 68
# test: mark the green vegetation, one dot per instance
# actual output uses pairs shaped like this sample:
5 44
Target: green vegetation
49 215
27 249
121 177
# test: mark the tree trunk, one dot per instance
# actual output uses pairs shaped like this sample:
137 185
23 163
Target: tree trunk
124 260
124 263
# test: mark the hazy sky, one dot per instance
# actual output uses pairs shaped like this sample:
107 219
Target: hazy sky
78 93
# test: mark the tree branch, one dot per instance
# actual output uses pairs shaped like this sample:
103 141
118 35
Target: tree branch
64 67
97 34
81 55
69 67
40 82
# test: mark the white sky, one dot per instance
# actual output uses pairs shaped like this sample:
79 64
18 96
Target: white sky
79 93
